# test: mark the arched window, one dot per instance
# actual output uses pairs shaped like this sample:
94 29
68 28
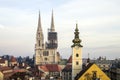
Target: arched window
77 63
77 55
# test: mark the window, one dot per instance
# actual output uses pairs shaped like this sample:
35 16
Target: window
77 63
77 55
39 42
39 34
45 53
46 59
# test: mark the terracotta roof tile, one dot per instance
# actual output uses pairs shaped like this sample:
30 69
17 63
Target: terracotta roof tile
13 59
70 59
5 68
51 68
68 68
2 60
44 68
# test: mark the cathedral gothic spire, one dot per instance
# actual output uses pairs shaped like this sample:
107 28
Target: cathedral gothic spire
76 41
39 23
39 35
52 23
46 53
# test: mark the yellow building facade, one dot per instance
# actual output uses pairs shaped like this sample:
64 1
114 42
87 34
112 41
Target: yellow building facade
92 72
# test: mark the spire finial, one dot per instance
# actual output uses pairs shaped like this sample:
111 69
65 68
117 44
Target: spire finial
88 60
76 27
76 39
39 23
88 55
52 23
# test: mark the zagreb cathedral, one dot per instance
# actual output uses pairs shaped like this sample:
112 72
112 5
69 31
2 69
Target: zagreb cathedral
46 52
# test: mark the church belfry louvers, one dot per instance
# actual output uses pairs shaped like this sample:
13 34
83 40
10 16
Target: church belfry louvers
46 53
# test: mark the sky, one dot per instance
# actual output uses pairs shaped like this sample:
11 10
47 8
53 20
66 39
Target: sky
98 22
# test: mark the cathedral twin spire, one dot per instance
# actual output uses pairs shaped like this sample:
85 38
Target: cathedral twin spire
39 23
76 40
39 35
52 23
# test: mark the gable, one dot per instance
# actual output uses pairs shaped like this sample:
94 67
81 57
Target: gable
95 71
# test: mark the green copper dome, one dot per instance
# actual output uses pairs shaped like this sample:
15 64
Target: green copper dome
76 39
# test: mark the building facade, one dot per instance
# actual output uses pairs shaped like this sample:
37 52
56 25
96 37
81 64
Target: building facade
91 72
46 53
67 71
115 71
3 62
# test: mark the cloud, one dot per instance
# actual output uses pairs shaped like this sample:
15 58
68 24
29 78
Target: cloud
98 22
1 26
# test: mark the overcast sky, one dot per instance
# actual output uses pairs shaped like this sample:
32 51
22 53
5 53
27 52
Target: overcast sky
98 22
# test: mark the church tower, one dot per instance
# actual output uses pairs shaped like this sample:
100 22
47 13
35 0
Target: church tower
52 36
76 54
46 53
52 43
39 46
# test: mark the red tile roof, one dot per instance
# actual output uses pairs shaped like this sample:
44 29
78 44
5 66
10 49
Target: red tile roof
5 68
68 68
51 68
19 70
6 71
43 67
70 59
2 60
13 59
